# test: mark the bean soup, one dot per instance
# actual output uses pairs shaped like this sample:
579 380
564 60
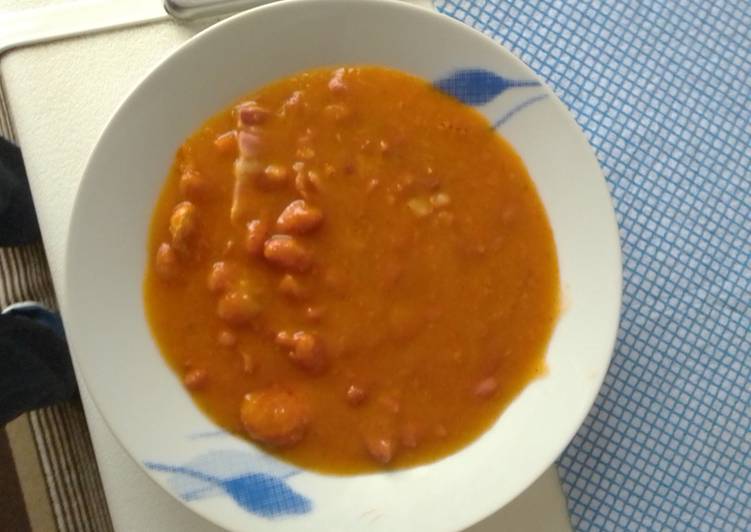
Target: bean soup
351 269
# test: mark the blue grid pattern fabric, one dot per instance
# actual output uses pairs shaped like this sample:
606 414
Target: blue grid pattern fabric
663 92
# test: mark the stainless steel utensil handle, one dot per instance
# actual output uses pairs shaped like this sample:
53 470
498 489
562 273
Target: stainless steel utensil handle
195 9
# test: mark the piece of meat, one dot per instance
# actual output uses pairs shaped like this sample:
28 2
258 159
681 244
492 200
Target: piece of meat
337 85
251 114
246 172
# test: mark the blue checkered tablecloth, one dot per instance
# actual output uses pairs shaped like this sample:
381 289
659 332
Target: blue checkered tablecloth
663 92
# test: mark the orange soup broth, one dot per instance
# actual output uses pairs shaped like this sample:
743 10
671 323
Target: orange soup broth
434 270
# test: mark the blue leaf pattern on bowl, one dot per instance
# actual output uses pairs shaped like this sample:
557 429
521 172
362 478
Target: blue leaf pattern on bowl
511 112
476 86
255 482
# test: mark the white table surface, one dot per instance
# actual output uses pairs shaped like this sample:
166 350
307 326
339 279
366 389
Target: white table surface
60 96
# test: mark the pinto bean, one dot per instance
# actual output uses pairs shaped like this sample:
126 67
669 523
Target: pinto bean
193 185
356 395
256 234
237 307
288 253
275 417
183 226
195 379
381 448
226 143
166 262
291 287
440 199
315 181
275 175
221 277
285 339
421 207
226 339
301 184
486 387
410 435
308 352
299 217
307 183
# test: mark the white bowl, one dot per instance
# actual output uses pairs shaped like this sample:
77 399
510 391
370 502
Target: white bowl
224 478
